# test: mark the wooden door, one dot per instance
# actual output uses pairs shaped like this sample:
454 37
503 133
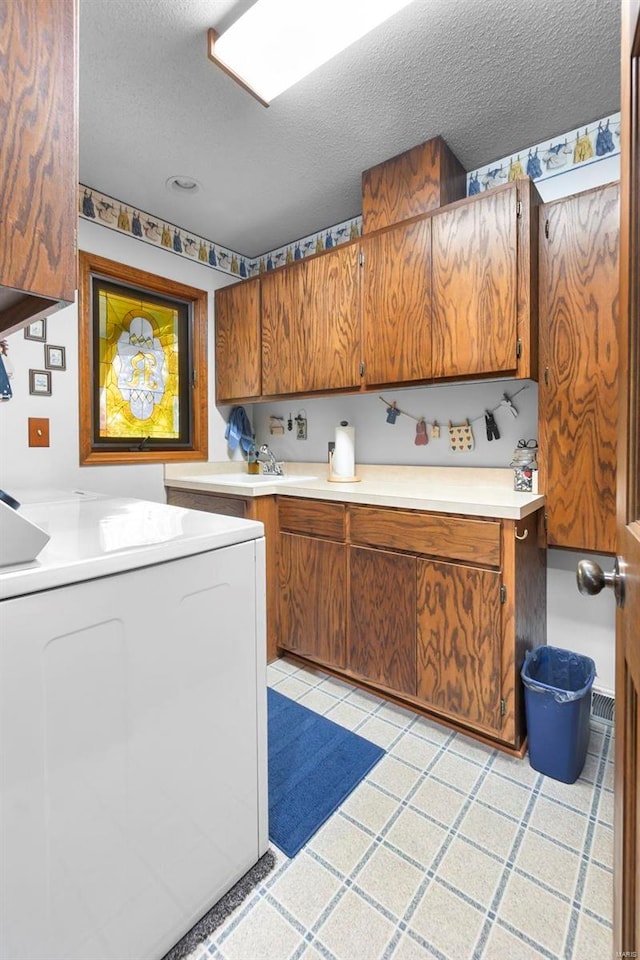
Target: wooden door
627 766
475 285
38 159
238 344
396 304
460 641
313 598
382 625
311 324
578 413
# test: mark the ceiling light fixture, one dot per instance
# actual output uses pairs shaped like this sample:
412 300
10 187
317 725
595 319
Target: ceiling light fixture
183 185
278 42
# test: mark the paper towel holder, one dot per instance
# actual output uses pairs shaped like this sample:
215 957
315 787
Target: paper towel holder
332 478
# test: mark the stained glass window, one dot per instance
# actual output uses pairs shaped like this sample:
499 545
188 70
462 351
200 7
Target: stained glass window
144 344
138 365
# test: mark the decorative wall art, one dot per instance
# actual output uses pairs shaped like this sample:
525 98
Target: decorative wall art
461 437
122 217
40 383
143 377
36 330
54 357
551 158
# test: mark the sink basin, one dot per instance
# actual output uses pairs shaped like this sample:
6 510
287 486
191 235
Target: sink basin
249 479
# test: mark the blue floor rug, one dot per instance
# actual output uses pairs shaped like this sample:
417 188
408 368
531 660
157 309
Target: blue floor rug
313 765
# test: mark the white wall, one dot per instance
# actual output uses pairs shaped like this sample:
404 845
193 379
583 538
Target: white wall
57 466
380 442
580 623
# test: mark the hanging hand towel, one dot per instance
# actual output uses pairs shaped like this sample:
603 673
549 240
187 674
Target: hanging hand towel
239 430
461 437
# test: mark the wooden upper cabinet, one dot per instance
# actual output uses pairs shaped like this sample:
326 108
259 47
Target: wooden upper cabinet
484 301
238 341
396 304
421 179
38 160
578 409
311 325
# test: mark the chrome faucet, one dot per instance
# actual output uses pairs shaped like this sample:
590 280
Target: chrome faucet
270 465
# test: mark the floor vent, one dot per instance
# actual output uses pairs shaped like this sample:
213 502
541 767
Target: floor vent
602 707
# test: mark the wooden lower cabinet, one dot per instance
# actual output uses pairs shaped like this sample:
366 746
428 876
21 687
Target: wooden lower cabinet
459 641
313 597
408 615
382 626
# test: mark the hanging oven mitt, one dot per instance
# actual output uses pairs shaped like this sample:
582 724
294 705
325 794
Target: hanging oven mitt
492 427
421 434
461 437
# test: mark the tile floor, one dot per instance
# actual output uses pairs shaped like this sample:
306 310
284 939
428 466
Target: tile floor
448 850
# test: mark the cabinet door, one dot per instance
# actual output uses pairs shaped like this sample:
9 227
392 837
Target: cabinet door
459 641
38 162
312 598
579 256
237 321
310 325
475 286
396 304
382 626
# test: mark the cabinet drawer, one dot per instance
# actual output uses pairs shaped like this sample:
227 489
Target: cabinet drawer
437 535
315 517
209 502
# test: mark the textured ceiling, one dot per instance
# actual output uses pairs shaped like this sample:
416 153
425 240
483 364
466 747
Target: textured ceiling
490 76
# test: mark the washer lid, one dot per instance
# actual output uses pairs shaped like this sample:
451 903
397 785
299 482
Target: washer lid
94 536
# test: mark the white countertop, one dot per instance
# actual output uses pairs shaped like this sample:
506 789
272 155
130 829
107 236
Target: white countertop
95 536
475 491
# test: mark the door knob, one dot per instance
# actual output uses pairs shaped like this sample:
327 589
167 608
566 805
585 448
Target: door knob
592 579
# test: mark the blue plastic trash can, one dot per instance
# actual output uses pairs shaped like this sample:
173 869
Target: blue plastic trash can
557 696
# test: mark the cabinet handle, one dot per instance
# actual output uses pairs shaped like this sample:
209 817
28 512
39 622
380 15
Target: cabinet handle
524 535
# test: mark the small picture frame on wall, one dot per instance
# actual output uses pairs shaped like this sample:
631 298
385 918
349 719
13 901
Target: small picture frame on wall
54 357
40 383
36 330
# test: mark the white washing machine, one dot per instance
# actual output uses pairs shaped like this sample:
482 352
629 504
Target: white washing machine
133 763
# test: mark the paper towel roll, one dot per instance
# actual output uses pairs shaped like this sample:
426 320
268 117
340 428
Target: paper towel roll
344 454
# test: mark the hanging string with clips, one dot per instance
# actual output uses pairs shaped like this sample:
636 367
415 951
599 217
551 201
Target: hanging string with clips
460 434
